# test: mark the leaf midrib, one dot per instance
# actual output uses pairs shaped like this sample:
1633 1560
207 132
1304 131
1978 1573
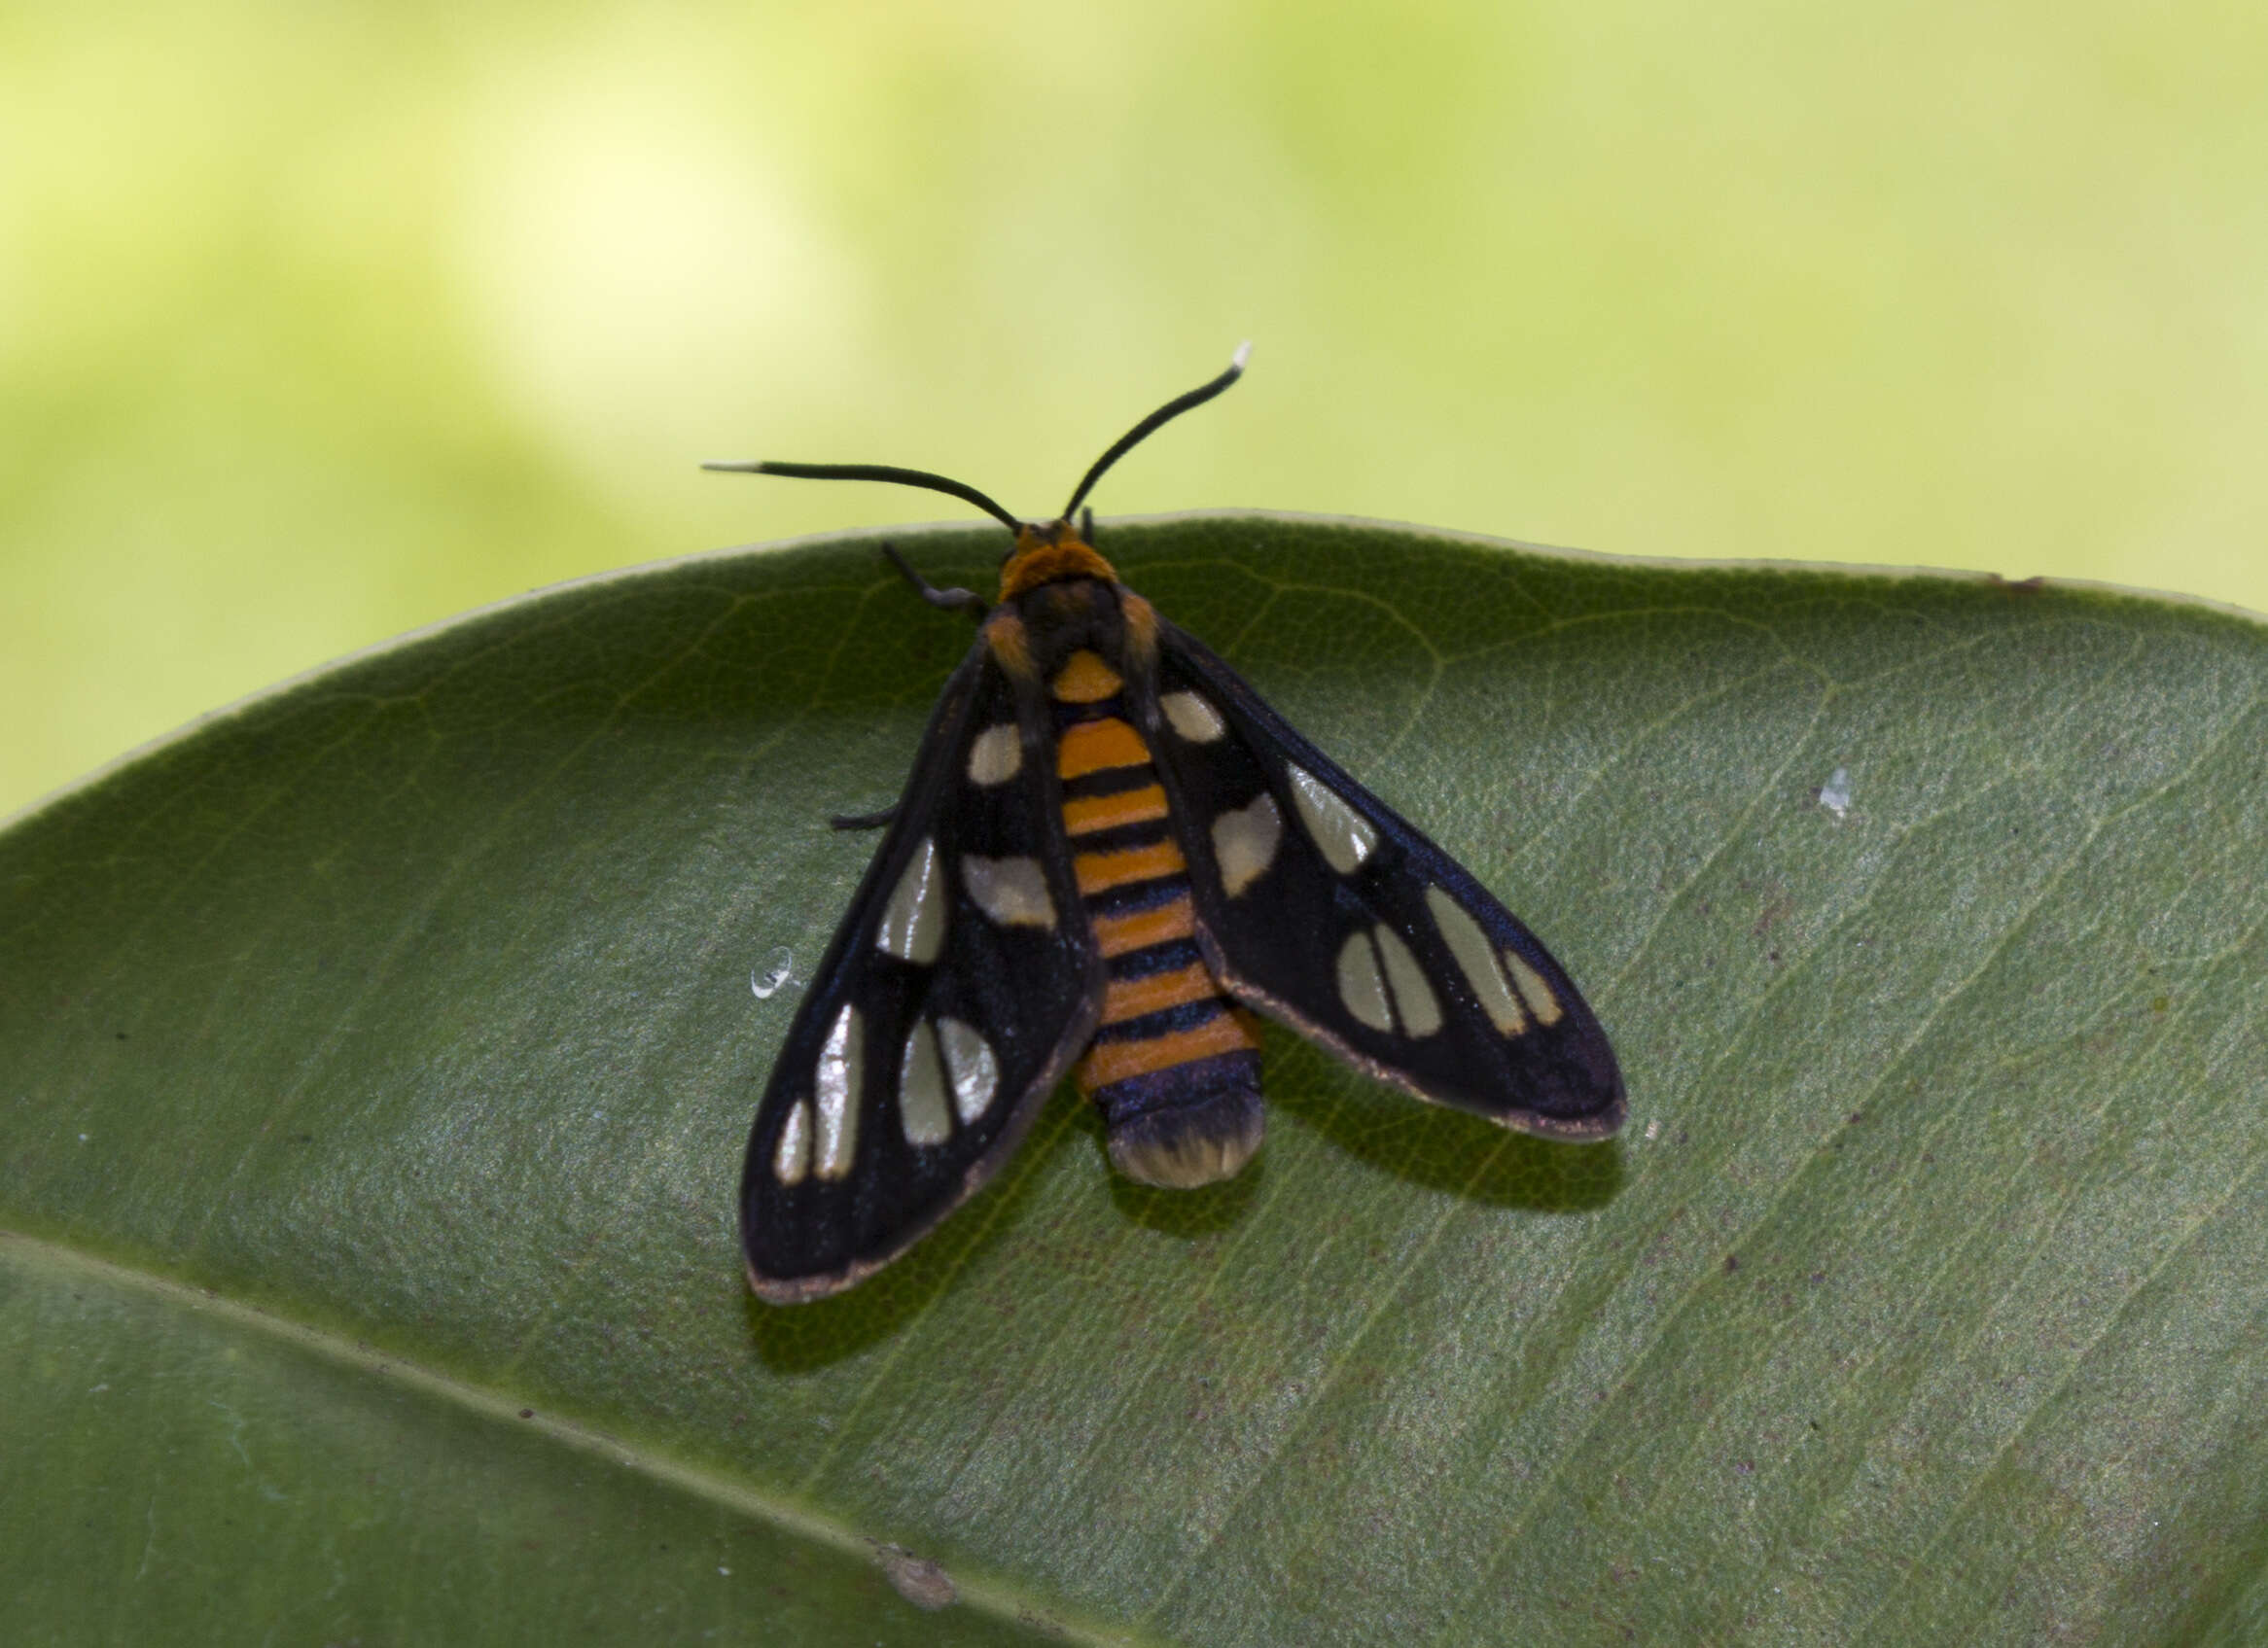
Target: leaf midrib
985 1594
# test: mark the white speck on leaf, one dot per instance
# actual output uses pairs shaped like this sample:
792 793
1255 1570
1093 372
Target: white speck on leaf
917 1579
764 981
1835 795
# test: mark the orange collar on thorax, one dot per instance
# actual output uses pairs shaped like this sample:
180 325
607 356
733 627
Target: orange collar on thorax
1047 554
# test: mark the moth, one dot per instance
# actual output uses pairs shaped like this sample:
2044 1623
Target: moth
1110 855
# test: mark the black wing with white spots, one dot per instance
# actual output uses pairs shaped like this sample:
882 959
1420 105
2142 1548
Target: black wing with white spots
1320 906
956 993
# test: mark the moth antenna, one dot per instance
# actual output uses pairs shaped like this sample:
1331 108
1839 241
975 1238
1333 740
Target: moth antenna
890 473
1166 413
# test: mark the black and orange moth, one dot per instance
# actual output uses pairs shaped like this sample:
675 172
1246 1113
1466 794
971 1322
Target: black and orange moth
1109 854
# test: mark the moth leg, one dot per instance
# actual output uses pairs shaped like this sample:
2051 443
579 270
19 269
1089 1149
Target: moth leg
952 600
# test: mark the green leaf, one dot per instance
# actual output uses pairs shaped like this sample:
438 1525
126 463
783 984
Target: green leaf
375 1062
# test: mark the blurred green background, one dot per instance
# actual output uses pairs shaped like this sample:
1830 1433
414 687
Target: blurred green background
319 323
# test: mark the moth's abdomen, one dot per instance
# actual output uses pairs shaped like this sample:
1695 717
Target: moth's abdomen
1173 1066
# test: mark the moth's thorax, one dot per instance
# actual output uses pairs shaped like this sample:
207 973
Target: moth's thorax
1045 624
1047 554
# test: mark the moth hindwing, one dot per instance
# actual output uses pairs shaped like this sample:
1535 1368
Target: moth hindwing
1109 854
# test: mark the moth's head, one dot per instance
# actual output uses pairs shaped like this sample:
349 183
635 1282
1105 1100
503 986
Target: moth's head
1049 554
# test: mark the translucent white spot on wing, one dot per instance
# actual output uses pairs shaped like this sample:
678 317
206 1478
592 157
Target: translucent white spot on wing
974 1074
1533 990
1835 795
913 922
1195 720
1344 835
838 1075
1414 1000
1244 843
792 1155
996 754
1361 988
1476 959
1013 892
921 1089
763 982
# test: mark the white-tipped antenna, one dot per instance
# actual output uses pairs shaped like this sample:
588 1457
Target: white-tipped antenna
889 473
1172 409
967 494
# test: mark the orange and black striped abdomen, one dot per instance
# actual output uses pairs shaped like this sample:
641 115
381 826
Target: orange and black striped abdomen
1173 1068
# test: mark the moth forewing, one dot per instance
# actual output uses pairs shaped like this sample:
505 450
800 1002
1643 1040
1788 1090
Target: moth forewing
1358 931
932 1030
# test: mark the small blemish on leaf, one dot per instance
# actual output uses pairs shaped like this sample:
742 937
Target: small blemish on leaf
766 980
917 1579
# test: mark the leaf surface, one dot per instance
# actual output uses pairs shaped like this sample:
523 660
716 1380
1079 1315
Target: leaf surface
376 1059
